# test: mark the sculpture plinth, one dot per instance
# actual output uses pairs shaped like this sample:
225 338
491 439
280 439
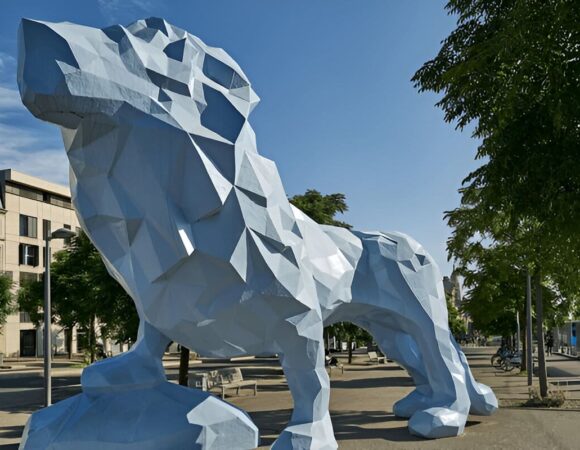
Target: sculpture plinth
166 416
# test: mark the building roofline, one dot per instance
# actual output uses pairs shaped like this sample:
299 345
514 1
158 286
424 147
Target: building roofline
34 182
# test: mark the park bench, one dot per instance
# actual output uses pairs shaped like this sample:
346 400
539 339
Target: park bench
228 378
231 378
374 358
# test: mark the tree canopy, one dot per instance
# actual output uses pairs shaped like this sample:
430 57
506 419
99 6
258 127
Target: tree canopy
511 68
82 293
322 208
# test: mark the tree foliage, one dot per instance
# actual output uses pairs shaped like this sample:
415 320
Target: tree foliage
6 300
350 333
456 323
83 292
322 208
512 69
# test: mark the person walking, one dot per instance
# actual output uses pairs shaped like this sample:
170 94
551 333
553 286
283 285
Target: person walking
549 343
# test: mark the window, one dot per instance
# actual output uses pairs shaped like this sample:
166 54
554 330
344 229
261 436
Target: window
38 195
27 226
26 277
23 191
63 202
28 255
46 228
67 240
24 317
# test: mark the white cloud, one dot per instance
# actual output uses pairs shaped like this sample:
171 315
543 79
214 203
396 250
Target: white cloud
6 61
112 9
21 149
29 149
10 100
7 69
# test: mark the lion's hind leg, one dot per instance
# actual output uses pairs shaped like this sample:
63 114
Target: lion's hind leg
483 400
406 289
439 405
401 348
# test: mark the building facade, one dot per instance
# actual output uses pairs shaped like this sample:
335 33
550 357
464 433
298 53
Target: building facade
454 289
30 209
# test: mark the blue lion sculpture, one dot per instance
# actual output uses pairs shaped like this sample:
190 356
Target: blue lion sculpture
196 226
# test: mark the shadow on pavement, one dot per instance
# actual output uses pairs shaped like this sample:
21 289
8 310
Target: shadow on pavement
11 431
389 368
347 425
372 383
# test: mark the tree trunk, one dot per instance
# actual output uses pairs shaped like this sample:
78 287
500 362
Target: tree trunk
69 336
349 351
529 327
183 366
92 340
542 375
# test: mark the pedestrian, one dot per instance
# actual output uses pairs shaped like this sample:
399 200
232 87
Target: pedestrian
549 343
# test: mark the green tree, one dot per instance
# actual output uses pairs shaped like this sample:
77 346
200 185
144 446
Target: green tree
511 68
350 333
83 293
322 208
6 300
456 324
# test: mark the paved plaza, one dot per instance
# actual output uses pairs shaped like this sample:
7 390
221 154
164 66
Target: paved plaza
361 404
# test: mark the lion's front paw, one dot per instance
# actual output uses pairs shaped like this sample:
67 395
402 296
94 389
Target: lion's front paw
307 436
437 422
412 403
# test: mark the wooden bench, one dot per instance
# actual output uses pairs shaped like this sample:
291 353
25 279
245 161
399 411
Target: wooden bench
374 358
338 366
231 378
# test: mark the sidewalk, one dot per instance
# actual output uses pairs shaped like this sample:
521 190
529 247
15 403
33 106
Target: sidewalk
511 388
67 367
361 408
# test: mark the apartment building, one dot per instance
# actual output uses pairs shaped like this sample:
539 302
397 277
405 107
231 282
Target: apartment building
30 208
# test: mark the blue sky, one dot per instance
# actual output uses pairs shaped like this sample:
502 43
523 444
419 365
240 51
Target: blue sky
338 110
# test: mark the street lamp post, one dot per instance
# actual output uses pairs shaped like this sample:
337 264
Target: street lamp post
61 233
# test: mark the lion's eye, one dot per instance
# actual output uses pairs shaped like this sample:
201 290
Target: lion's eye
222 74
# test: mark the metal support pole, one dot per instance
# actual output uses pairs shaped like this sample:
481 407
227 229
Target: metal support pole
529 354
47 328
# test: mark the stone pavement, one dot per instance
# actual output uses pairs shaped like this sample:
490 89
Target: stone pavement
361 406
